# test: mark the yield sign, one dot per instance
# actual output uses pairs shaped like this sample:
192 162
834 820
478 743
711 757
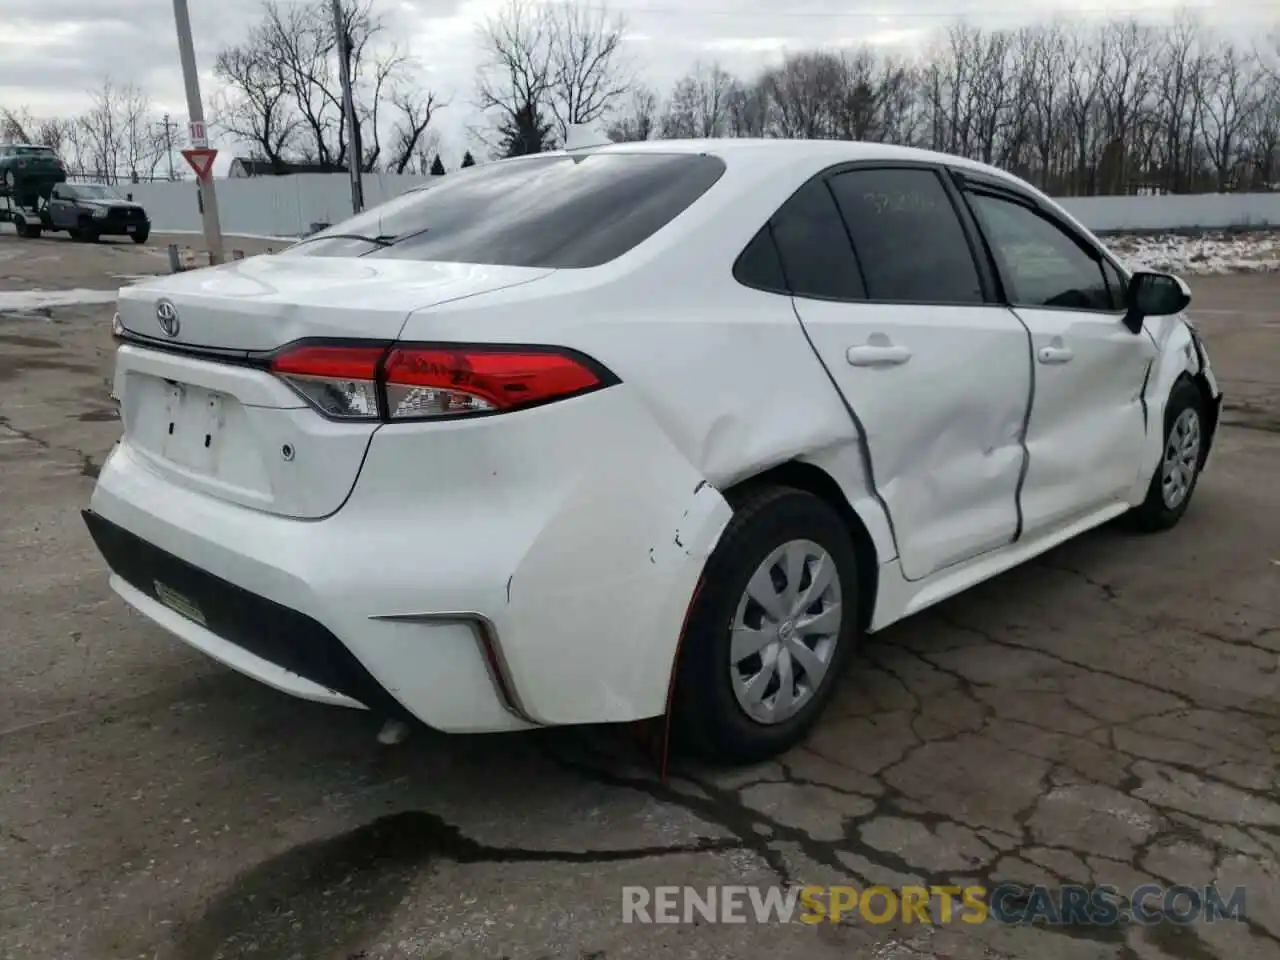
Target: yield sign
201 160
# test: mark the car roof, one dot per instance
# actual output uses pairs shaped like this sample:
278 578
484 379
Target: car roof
813 155
29 146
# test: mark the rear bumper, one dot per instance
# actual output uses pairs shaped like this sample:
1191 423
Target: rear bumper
267 606
482 585
280 646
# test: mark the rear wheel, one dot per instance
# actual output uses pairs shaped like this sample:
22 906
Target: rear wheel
770 630
1182 457
141 237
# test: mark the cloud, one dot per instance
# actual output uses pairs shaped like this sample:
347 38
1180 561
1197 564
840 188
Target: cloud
53 52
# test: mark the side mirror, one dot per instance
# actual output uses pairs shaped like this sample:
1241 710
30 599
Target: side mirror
1154 295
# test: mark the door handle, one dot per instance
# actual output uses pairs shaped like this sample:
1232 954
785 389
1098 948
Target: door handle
1055 355
877 355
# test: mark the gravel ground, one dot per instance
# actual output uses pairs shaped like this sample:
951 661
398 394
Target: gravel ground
1109 713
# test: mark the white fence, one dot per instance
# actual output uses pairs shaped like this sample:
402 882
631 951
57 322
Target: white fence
287 206
1184 211
266 206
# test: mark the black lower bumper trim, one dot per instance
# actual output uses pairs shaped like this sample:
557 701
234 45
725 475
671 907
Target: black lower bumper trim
266 629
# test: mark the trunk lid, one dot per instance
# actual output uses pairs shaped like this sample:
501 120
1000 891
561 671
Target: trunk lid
267 301
216 424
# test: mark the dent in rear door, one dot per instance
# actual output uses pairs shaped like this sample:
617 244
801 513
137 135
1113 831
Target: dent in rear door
943 429
940 390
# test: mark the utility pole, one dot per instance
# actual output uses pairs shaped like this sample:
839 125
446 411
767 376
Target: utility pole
348 107
168 142
195 113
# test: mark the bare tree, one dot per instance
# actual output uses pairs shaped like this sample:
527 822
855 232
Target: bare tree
17 126
1261 141
411 137
514 81
699 104
804 89
102 132
751 112
587 75
638 118
283 97
428 146
257 107
547 67
1227 106
1119 106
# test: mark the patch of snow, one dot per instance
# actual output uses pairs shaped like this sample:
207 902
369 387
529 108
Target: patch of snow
1210 253
29 301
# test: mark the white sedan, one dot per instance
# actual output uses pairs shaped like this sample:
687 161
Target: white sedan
595 435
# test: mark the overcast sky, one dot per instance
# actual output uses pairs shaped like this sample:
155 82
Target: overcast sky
53 51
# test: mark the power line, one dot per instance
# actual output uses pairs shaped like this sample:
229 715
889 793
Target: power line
948 15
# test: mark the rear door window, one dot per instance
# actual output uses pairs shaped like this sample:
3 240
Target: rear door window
907 236
558 211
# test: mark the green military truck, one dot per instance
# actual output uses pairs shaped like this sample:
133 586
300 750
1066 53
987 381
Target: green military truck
28 174
29 170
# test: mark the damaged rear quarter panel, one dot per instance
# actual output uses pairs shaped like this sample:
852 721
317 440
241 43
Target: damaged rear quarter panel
718 384
601 594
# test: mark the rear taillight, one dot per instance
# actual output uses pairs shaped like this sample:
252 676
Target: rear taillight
339 381
408 382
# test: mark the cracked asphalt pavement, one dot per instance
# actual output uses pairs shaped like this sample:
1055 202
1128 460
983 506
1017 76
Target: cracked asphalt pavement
1108 714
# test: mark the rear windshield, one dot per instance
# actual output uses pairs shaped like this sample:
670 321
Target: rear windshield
534 212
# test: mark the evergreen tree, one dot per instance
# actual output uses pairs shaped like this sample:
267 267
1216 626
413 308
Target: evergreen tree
437 167
468 160
525 133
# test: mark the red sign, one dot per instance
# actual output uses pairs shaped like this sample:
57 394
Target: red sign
201 160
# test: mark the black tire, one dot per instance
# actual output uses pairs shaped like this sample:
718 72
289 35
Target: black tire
1155 513
28 231
74 233
707 718
140 238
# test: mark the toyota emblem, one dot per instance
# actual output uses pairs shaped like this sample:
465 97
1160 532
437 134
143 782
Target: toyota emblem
167 315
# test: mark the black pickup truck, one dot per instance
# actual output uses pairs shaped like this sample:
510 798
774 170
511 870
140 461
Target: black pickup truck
86 211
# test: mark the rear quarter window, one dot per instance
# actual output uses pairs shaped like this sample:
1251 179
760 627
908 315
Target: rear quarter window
560 211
